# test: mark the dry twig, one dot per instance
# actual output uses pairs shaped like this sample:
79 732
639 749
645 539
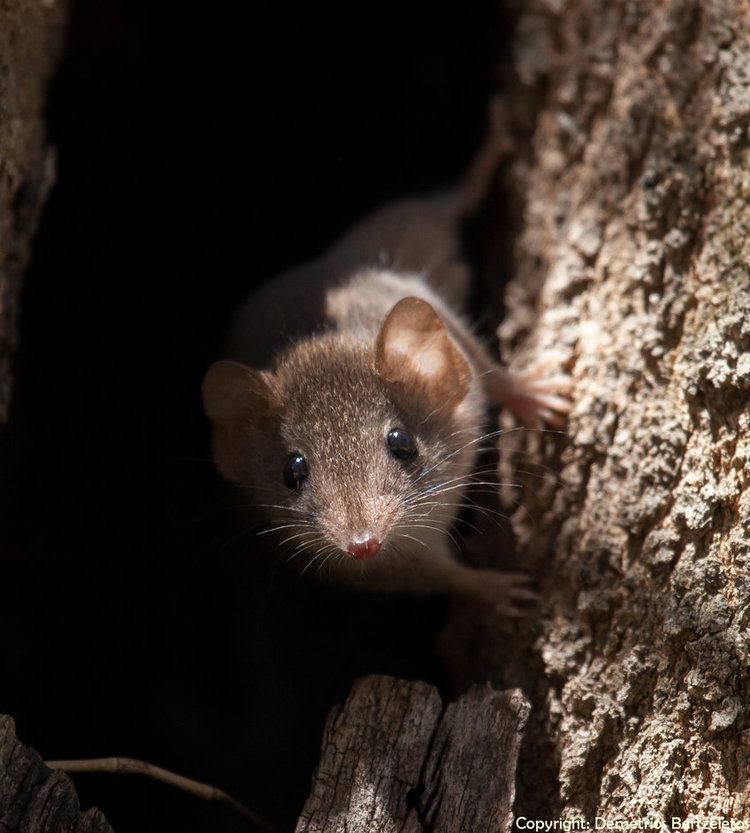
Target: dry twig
134 767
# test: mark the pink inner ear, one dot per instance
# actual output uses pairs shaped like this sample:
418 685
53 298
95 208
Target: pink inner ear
430 362
420 353
415 350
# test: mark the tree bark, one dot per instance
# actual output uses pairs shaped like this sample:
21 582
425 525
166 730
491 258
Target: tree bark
36 799
633 261
32 797
394 759
30 38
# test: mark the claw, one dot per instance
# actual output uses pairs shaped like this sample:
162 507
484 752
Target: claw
532 396
501 591
528 595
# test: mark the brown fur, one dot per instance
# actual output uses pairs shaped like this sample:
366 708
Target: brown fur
343 352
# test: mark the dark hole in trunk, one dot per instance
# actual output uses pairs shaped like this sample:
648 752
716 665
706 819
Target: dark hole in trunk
200 153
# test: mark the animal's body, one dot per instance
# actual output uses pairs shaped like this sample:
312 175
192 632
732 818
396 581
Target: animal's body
353 400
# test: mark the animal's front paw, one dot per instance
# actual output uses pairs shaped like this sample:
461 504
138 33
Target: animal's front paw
540 395
503 592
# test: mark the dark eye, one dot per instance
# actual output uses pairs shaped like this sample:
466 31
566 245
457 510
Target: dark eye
401 444
295 471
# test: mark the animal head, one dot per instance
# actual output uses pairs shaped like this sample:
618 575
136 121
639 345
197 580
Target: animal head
353 451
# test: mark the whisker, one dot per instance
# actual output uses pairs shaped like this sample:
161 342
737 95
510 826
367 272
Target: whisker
309 564
412 538
461 448
247 531
332 552
488 435
293 537
276 506
284 526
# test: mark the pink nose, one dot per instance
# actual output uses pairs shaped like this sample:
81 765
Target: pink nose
363 550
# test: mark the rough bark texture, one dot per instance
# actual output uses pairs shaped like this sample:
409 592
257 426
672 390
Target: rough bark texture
634 262
395 760
30 37
35 799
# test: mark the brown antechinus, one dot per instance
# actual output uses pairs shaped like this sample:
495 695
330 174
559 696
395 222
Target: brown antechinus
353 401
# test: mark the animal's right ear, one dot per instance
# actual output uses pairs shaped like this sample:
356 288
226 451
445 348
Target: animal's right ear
415 353
233 391
236 399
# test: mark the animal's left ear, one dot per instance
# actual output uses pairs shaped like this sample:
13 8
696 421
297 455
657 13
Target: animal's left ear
415 353
239 402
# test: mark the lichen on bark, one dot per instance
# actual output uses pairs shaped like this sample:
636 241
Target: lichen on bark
634 263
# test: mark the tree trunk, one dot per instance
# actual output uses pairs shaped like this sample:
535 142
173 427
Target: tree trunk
35 799
395 759
30 37
32 797
633 262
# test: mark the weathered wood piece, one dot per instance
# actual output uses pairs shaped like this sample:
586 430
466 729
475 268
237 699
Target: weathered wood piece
36 799
30 38
395 759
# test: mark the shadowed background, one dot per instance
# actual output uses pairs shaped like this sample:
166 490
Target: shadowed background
197 154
